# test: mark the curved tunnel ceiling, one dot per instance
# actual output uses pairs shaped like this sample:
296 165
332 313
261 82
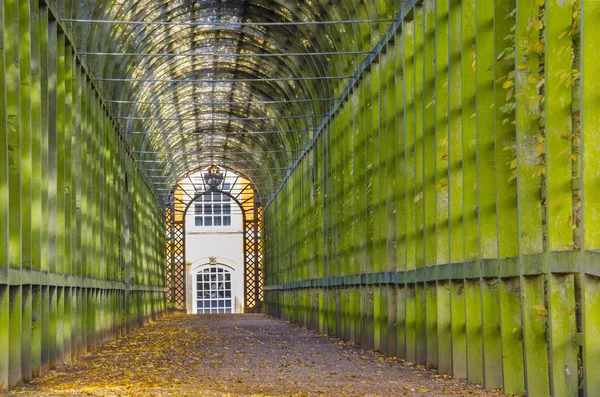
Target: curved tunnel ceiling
243 84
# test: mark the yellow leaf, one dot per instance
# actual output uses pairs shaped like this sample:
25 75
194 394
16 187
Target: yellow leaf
539 2
540 309
508 84
523 66
539 149
513 164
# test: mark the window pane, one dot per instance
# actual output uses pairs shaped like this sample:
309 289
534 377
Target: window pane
217 209
216 196
199 221
207 197
226 221
227 208
208 221
207 209
198 208
217 221
227 187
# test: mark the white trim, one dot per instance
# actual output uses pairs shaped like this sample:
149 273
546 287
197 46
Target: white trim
194 271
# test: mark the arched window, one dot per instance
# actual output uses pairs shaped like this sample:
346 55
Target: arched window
214 290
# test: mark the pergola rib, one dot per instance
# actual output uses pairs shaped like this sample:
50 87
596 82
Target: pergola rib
244 85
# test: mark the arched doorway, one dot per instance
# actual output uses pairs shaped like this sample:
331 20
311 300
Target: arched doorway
213 290
242 192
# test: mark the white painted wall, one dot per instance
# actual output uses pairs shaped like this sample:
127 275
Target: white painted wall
225 243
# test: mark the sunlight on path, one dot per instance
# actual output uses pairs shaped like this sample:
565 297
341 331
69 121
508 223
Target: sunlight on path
237 355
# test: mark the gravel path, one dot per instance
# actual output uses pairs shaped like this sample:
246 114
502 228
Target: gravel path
238 355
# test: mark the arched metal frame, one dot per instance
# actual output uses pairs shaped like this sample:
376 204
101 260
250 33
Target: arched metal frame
222 73
252 243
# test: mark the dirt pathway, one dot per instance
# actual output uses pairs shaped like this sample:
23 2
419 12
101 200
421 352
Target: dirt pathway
237 355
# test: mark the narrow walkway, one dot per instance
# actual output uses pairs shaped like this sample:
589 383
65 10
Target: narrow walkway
237 355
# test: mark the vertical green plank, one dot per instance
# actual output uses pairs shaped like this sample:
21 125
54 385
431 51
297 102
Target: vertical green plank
51 177
474 337
14 335
444 326
13 124
563 335
44 141
4 336
4 223
460 333
409 144
469 130
36 331
429 139
455 155
419 15
529 196
26 332
401 317
45 327
590 165
25 163
492 346
441 132
512 340
61 164
36 142
410 332
558 122
431 325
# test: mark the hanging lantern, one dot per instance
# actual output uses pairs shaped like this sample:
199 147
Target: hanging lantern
213 177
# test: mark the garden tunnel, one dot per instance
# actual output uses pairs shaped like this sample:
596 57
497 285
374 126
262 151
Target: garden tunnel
428 172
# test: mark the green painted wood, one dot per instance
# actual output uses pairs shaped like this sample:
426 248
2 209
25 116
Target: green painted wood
486 58
492 343
13 123
511 329
431 326
419 109
444 327
401 317
458 325
589 161
558 123
25 163
562 331
441 132
14 334
591 332
468 83
411 195
474 331
4 336
410 324
26 332
429 137
454 156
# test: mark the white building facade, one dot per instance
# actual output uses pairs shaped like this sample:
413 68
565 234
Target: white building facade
214 251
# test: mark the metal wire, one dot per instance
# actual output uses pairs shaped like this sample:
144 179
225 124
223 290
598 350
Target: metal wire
221 119
231 24
242 80
216 132
219 103
218 54
209 151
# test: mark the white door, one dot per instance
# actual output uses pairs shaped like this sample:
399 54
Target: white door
214 291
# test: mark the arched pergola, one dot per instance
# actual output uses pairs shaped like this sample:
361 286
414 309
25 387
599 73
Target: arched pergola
184 193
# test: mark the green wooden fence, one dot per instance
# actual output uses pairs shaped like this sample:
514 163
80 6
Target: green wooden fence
449 212
81 236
